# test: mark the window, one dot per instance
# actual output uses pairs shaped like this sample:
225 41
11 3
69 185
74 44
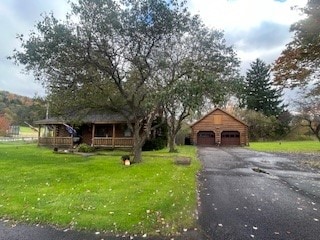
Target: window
217 119
127 133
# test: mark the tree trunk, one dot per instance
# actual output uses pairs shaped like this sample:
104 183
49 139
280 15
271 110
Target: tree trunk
315 130
138 141
141 130
172 131
172 143
137 147
137 150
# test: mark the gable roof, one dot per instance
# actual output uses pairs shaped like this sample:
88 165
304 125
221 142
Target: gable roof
219 109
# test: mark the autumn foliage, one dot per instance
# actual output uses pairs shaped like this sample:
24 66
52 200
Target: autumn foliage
299 63
4 125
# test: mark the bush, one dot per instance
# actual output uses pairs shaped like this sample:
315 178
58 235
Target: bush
155 144
83 147
125 157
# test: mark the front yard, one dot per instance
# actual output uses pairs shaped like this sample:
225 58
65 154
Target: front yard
307 152
98 193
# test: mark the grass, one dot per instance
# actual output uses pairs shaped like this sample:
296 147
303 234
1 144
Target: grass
98 192
287 146
291 147
27 131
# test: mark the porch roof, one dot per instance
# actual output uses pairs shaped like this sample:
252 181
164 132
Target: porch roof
97 118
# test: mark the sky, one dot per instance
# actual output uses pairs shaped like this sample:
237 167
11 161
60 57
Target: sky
255 29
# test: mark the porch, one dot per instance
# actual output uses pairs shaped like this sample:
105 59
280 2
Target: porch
106 135
110 142
68 142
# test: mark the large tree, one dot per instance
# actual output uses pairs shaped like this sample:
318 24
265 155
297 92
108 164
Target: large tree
260 94
201 67
309 114
111 54
298 64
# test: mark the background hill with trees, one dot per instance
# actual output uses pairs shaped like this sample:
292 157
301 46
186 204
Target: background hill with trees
16 110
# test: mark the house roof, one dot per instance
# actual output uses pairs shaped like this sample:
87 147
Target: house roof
110 117
218 109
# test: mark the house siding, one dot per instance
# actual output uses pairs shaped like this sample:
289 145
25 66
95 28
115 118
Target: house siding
219 121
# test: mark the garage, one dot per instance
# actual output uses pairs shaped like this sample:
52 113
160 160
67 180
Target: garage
206 138
230 138
219 127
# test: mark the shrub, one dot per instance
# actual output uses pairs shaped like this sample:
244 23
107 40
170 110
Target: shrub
155 144
83 147
125 157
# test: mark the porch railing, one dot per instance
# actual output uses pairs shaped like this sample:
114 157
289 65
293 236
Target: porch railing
97 142
112 142
56 141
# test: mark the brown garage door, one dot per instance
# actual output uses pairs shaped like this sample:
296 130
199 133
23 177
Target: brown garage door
230 138
206 138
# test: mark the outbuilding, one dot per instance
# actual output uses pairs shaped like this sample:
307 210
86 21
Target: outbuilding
219 128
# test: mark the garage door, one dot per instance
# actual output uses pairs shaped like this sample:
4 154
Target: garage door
206 138
230 138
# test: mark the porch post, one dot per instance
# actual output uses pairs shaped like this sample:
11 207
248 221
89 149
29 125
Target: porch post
39 130
93 131
55 135
113 134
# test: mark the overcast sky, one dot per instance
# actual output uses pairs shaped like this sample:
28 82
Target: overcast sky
255 28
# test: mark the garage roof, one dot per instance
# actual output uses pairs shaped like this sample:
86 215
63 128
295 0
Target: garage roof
216 109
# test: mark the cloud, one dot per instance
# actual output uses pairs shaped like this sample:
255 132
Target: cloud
20 17
235 15
265 36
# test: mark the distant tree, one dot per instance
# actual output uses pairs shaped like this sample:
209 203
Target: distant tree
32 112
284 122
309 114
261 127
19 109
260 94
4 124
298 64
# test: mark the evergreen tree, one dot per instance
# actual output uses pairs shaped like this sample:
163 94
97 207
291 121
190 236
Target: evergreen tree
260 95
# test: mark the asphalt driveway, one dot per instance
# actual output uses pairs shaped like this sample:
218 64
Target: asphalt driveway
250 195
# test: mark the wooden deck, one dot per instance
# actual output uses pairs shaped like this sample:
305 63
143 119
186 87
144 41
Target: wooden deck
56 141
112 142
67 142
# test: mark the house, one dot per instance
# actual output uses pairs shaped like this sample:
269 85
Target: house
109 130
219 128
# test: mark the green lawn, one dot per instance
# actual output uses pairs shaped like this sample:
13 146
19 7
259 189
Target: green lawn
291 147
27 131
286 146
98 193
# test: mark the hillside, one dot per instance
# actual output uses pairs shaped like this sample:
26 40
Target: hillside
19 109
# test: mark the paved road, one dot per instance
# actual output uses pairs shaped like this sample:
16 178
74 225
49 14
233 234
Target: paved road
11 231
279 201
